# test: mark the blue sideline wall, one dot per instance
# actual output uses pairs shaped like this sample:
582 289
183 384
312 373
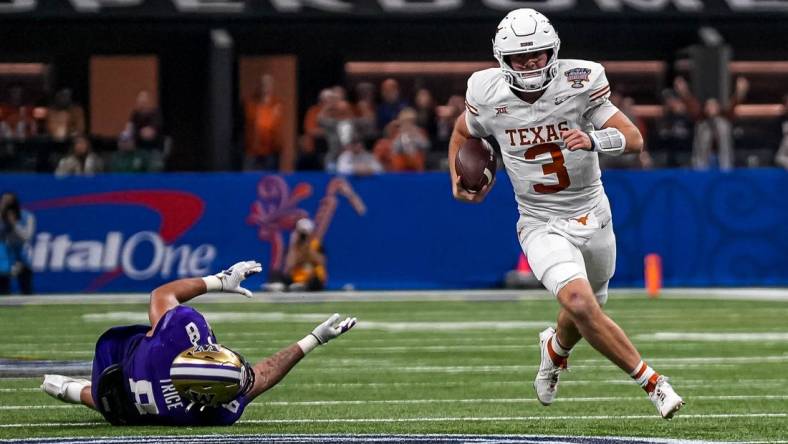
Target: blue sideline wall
133 232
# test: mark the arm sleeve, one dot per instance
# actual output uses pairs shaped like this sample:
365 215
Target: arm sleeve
473 111
599 109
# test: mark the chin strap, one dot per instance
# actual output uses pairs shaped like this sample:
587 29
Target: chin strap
608 141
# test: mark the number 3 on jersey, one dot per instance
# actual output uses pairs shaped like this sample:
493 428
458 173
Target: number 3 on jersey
555 167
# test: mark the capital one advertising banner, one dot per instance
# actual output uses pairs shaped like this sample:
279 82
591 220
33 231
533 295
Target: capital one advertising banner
115 233
133 232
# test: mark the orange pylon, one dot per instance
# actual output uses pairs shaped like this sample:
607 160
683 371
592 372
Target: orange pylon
653 274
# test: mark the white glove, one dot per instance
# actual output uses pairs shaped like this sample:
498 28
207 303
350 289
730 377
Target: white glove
229 280
325 332
331 328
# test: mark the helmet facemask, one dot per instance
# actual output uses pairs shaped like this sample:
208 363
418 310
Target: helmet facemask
530 80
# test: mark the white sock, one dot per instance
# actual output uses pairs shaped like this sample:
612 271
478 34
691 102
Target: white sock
645 376
557 348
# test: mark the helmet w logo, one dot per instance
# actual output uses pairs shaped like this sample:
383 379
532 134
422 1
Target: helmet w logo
201 398
206 348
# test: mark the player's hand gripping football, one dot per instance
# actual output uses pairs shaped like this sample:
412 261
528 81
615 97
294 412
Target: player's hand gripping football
464 195
332 328
232 277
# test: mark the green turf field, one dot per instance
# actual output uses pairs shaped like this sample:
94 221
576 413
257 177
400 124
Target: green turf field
446 367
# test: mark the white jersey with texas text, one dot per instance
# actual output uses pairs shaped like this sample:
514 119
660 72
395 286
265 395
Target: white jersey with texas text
548 179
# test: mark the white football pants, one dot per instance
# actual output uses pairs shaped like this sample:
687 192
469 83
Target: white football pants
561 250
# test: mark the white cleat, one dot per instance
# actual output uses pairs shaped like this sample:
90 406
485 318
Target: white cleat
56 385
546 382
665 399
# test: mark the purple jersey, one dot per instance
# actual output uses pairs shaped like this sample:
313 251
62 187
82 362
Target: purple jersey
146 368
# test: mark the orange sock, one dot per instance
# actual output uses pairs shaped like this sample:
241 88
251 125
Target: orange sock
557 352
645 376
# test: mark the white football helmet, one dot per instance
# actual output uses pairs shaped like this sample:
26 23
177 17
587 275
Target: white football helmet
524 31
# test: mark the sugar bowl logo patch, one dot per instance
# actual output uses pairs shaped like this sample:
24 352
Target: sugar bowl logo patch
577 76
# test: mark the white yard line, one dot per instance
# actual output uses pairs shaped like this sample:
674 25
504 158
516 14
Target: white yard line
738 294
248 345
40 407
374 364
736 384
52 424
744 385
443 419
672 336
296 298
481 368
361 437
396 343
450 325
701 360
332 402
492 340
141 317
509 400
729 294
389 339
511 418
665 360
382 365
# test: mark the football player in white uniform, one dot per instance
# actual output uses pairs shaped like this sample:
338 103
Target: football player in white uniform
552 119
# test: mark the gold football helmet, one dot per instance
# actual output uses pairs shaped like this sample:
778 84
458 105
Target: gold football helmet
211 375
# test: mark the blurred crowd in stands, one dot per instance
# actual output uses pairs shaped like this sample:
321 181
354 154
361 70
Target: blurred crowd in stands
372 133
371 129
379 128
53 137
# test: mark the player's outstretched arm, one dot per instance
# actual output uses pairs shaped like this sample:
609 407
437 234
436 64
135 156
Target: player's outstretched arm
171 294
271 370
459 135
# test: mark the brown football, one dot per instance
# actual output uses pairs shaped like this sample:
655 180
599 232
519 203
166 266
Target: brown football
475 164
